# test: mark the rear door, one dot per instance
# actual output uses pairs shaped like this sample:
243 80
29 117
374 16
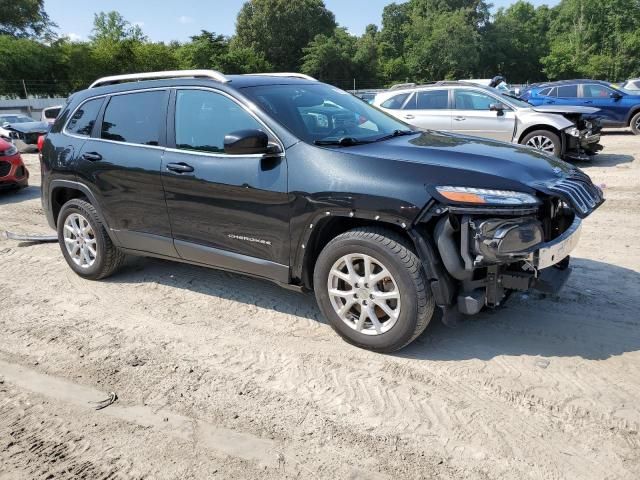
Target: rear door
472 115
230 211
121 165
429 109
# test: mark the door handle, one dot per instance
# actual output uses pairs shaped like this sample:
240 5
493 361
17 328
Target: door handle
549 101
459 119
179 167
588 102
409 117
92 156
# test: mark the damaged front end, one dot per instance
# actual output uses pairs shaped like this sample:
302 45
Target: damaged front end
582 142
480 253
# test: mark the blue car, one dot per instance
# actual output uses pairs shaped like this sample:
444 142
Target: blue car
618 107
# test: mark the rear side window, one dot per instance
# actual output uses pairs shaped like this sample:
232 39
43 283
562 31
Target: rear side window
568 91
203 119
84 118
595 91
433 100
395 102
134 118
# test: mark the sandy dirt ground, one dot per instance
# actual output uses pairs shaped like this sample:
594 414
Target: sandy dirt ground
222 376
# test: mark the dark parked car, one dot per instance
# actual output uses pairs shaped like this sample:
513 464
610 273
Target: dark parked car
298 182
618 108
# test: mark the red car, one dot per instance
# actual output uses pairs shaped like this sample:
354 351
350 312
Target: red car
13 173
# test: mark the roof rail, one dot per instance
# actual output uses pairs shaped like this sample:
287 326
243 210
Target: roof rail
133 77
287 74
398 86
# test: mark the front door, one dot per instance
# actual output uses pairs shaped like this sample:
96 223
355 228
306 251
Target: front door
230 211
472 116
611 107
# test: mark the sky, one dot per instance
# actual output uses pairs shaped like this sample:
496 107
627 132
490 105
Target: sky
166 20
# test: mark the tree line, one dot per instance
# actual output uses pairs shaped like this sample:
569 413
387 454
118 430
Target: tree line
419 40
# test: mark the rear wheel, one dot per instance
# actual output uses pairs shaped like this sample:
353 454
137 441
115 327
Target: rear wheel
84 242
543 140
371 287
635 124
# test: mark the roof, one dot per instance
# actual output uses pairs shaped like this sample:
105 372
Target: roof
567 82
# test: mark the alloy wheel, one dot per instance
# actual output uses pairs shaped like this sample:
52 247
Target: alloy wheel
540 142
80 240
364 294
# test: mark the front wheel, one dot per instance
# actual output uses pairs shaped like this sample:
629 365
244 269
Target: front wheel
371 287
543 140
635 124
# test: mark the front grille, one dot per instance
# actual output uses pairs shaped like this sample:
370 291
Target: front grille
5 168
578 190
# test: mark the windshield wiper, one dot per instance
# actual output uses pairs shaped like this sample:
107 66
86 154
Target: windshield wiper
342 142
397 133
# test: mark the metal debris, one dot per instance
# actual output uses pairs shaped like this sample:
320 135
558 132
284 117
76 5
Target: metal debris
31 237
105 403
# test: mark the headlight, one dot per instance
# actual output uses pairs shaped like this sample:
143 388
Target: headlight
573 131
12 150
486 197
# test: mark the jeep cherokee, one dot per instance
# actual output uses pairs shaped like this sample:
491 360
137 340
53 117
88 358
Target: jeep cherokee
285 178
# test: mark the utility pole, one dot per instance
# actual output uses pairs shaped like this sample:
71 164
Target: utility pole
26 95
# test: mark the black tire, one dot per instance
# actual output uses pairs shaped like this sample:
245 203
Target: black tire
555 140
108 257
417 303
635 124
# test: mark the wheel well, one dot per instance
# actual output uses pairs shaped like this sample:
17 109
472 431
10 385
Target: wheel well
539 127
62 195
328 229
632 114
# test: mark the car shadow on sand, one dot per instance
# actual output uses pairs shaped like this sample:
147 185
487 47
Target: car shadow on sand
606 160
15 195
593 317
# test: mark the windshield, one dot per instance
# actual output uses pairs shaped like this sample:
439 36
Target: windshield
321 113
15 119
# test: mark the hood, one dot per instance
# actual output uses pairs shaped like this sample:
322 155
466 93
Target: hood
29 127
565 109
469 161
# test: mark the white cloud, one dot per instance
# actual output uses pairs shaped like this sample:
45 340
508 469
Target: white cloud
184 19
74 37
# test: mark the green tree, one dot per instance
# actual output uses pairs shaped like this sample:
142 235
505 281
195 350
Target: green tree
25 19
515 41
279 30
594 38
205 50
444 45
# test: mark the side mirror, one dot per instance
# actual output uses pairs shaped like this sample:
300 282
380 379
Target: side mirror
246 142
497 107
615 95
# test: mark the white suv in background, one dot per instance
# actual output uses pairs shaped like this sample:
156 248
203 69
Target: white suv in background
466 108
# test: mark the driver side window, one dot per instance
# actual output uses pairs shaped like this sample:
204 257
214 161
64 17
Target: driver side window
203 118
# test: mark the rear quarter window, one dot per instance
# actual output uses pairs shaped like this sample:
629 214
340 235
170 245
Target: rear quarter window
84 118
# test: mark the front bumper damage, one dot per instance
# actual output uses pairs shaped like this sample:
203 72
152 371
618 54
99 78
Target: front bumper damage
475 258
585 143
